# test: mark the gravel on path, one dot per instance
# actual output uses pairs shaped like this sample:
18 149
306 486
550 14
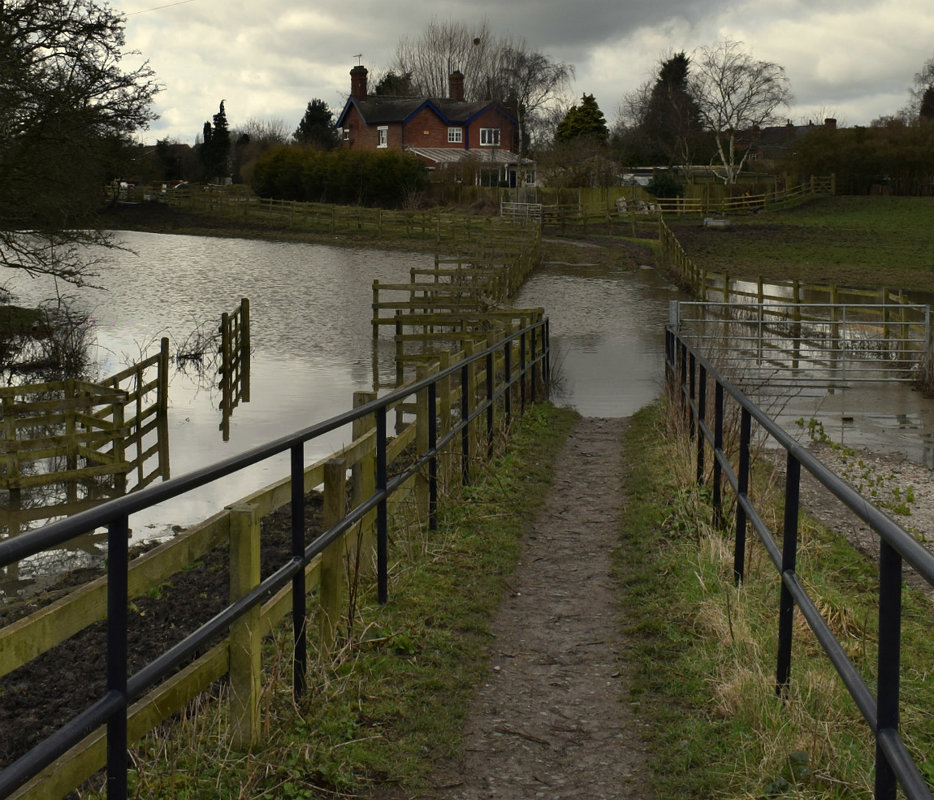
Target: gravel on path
552 718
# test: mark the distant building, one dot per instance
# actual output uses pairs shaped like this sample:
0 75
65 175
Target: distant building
471 139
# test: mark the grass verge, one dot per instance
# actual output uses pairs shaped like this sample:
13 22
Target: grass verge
850 241
391 703
703 649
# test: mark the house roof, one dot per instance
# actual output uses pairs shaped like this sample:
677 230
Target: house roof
379 110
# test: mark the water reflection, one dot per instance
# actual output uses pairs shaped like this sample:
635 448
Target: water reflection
310 338
889 418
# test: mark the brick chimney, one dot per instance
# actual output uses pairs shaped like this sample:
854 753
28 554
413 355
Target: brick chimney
358 82
830 124
456 86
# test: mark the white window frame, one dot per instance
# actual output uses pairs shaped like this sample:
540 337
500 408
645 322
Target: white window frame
382 136
455 135
489 137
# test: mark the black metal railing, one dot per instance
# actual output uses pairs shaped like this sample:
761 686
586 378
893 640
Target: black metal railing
532 345
688 373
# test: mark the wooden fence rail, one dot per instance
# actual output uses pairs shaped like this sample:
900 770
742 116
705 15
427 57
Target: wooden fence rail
443 225
898 317
67 445
411 503
635 204
235 362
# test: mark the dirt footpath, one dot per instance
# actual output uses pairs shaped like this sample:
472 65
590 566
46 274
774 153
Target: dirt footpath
552 719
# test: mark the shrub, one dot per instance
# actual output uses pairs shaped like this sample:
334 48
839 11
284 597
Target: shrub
664 184
386 179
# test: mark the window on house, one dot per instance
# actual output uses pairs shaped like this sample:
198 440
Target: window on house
455 135
489 137
382 136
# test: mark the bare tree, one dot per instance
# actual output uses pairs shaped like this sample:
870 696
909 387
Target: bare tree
736 96
503 69
443 47
67 110
532 84
266 132
634 106
921 103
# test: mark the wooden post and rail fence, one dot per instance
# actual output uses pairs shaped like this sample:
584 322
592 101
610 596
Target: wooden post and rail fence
443 225
466 393
899 324
67 445
460 403
608 206
459 301
235 362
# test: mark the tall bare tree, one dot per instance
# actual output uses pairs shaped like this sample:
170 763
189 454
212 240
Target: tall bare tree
428 59
530 84
497 68
736 95
67 108
921 104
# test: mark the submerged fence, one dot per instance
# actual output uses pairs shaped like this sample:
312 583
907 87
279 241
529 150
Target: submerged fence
235 362
712 286
66 445
690 376
457 409
792 345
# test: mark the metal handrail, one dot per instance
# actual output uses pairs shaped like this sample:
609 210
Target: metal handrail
688 372
112 708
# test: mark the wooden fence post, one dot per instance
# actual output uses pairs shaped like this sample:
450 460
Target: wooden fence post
225 375
162 396
468 403
118 447
245 349
363 472
444 414
245 663
421 444
331 582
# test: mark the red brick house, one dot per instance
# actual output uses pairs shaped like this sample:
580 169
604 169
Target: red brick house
472 139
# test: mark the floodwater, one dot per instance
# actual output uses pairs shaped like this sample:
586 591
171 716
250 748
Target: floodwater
310 334
312 341
312 348
607 334
885 417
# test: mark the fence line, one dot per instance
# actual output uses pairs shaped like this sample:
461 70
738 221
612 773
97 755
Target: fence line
688 374
772 344
637 205
440 224
235 362
75 443
897 317
470 390
503 362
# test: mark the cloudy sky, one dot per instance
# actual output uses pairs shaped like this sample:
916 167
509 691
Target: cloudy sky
852 59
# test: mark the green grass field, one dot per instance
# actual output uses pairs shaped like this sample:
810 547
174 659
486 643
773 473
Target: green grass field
852 241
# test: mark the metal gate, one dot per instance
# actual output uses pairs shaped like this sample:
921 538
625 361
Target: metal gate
798 344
